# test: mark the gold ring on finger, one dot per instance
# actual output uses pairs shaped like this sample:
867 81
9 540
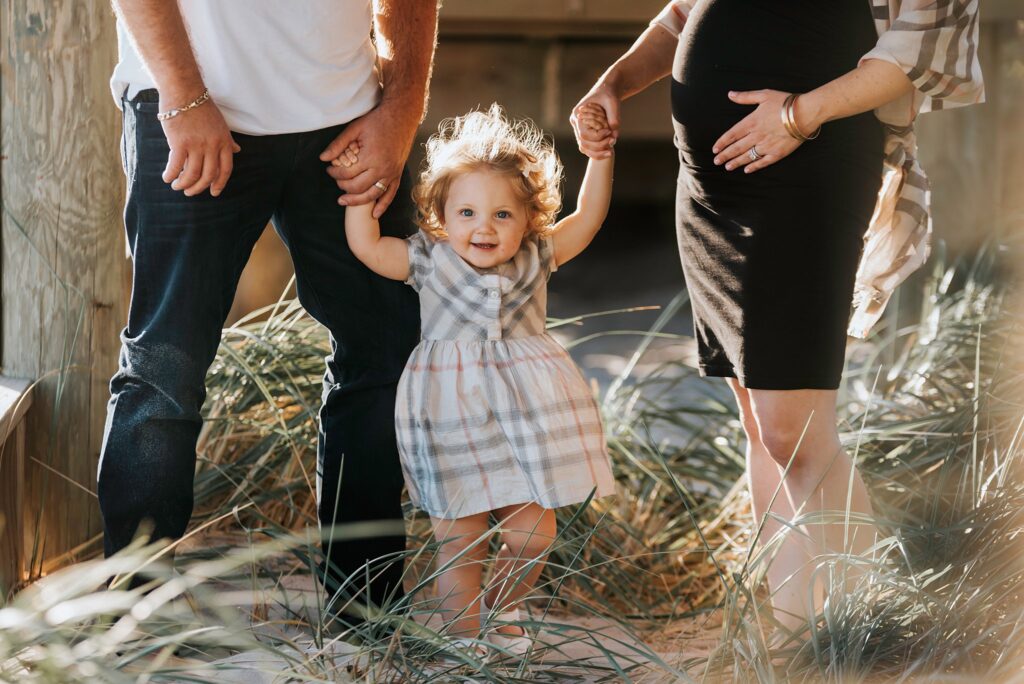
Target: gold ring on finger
380 186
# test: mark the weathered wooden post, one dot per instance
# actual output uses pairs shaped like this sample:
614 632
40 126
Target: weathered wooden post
15 399
63 260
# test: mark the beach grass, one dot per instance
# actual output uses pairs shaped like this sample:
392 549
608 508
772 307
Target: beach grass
931 410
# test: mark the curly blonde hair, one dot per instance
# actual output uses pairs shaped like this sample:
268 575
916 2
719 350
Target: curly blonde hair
489 140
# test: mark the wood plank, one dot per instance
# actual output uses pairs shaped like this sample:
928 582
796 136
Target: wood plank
15 400
973 155
547 18
1000 10
62 252
1008 73
537 11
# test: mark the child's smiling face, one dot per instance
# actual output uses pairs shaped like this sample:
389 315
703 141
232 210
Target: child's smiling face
484 218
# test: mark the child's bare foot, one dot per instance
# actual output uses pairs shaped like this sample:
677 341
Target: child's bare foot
466 650
511 638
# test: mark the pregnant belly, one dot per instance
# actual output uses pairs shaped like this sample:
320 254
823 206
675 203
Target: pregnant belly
701 116
794 45
791 45
847 150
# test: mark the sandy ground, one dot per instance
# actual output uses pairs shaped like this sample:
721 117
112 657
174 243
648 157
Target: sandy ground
571 648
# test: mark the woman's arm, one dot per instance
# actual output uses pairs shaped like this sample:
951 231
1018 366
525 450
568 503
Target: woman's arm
573 233
869 86
646 62
927 55
386 256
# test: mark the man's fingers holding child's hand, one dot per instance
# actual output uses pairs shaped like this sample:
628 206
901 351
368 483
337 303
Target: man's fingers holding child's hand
348 156
365 189
346 167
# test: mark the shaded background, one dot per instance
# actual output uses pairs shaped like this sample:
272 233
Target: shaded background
65 278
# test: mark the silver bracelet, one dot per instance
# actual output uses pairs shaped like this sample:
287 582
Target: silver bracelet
171 113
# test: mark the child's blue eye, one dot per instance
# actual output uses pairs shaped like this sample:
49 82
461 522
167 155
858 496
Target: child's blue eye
465 212
503 214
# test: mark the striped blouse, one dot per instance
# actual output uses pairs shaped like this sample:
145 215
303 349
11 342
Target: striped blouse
934 42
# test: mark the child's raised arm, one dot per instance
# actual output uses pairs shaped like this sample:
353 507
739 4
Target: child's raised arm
573 233
386 256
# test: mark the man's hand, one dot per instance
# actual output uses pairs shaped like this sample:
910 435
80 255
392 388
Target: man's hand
201 145
384 138
201 149
405 32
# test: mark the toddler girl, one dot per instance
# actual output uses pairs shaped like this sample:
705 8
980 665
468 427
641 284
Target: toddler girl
492 416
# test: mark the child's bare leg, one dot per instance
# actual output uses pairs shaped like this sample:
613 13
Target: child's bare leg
527 533
458 587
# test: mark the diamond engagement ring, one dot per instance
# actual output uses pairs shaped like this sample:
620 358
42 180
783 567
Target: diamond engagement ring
754 154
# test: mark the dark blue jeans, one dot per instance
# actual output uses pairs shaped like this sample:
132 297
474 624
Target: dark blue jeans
188 254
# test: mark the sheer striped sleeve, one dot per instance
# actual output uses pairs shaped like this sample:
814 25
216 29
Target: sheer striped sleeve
935 43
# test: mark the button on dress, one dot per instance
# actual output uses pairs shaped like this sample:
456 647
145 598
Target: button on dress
491 410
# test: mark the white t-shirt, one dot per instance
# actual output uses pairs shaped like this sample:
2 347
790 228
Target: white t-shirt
273 66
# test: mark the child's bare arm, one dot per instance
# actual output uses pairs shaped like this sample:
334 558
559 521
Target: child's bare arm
573 233
386 256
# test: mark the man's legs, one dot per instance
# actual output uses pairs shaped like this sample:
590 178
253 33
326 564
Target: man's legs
188 253
374 324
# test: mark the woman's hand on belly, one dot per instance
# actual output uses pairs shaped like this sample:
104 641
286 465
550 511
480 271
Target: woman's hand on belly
761 130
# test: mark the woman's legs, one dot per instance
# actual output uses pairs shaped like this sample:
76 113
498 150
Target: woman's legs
527 533
800 425
458 587
789 573
797 429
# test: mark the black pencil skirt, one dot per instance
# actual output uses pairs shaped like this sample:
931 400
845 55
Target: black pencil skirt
770 257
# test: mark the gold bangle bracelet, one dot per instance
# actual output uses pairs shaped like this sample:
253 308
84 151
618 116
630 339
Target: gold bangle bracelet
792 119
789 120
171 113
784 114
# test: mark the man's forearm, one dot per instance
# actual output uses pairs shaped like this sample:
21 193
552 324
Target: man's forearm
158 33
406 33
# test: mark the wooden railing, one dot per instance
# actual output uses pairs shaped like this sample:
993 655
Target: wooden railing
15 399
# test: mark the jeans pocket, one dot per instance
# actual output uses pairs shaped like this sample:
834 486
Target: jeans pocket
124 132
129 144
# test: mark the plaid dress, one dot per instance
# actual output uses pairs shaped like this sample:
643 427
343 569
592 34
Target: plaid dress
491 410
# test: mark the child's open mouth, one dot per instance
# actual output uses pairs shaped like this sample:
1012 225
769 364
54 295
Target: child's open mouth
484 245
